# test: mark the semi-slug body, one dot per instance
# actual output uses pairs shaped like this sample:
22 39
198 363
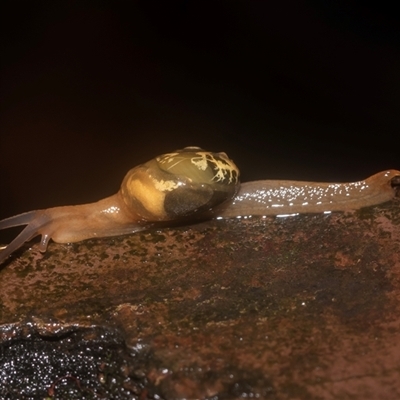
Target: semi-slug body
191 184
273 197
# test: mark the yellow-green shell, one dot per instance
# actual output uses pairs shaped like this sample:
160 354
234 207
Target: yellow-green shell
180 184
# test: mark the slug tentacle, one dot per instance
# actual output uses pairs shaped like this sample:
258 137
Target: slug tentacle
17 220
35 221
70 224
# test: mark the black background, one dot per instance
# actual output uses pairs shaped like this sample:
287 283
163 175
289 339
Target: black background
306 90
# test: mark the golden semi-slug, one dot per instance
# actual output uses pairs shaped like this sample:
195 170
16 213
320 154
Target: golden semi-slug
190 184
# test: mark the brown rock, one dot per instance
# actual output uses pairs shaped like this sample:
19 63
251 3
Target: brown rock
305 307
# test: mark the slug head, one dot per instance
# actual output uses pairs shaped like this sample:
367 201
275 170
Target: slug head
179 185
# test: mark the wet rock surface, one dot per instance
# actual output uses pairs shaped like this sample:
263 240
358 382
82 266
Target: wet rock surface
304 307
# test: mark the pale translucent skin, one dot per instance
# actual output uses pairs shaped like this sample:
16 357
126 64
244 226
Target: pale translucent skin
112 216
69 224
273 197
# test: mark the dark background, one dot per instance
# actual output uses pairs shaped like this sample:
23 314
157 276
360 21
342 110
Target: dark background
306 90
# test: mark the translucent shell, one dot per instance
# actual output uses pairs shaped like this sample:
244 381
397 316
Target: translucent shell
180 184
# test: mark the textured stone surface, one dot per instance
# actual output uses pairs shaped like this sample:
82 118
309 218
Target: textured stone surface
306 307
